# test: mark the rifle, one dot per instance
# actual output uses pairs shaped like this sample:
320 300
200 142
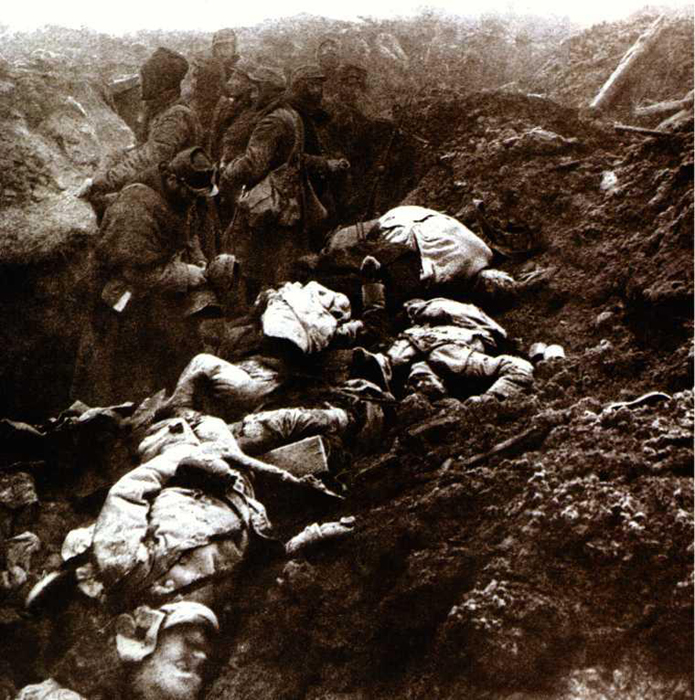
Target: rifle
381 167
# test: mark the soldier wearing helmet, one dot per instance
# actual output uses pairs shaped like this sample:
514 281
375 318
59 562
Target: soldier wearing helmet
211 71
251 92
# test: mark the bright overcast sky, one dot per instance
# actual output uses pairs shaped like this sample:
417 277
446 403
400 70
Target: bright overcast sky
129 15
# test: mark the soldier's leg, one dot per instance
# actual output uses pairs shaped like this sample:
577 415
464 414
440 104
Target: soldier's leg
424 380
264 431
507 375
216 387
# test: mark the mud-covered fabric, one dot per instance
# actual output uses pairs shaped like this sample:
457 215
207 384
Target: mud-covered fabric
458 351
268 255
226 112
147 523
351 134
503 376
264 431
208 77
216 387
144 268
48 690
229 138
170 132
306 315
423 340
270 146
444 312
449 251
147 243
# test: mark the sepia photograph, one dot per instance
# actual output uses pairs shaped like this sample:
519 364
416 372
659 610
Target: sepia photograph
347 350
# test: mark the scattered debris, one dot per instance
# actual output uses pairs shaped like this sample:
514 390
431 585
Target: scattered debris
649 399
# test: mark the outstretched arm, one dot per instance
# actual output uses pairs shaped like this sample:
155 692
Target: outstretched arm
171 134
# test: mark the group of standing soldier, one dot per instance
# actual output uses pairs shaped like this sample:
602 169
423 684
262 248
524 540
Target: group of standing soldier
170 205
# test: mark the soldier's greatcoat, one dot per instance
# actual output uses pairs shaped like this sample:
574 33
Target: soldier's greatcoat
175 128
142 261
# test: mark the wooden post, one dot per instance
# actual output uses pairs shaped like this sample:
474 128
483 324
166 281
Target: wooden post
616 83
642 131
665 107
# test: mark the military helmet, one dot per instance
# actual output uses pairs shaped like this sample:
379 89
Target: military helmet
193 167
309 71
224 36
269 76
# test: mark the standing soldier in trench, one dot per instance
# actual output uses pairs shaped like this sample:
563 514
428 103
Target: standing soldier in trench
288 133
211 73
329 59
147 264
239 95
349 131
170 125
207 84
233 129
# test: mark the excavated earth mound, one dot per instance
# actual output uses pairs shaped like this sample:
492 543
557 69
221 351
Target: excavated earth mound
534 576
586 60
56 126
561 573
615 215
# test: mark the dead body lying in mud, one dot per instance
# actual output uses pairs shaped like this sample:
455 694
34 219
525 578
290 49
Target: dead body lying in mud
171 540
146 654
192 517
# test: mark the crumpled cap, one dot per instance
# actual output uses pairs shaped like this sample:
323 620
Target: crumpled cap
194 167
188 612
268 75
137 632
309 71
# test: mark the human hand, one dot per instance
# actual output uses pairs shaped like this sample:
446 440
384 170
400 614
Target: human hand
208 473
336 165
196 276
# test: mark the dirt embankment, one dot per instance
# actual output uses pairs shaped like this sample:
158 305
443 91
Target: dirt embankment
615 213
56 126
564 572
583 62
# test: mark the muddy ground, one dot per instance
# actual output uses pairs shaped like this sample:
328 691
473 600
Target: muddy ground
563 572
561 567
